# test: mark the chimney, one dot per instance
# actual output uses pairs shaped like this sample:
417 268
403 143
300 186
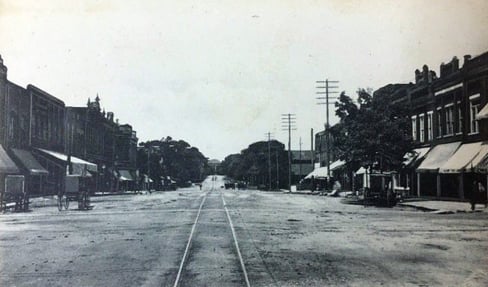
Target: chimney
466 59
3 69
425 73
455 64
417 76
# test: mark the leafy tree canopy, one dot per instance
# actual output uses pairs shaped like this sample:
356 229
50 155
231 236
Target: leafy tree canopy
374 132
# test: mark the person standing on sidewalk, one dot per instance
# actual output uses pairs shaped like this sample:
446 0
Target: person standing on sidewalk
482 194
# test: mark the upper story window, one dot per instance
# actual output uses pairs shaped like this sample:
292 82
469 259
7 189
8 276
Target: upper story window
430 132
421 128
474 105
439 122
449 118
414 128
459 118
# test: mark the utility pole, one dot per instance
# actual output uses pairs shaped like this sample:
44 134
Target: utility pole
268 134
148 168
300 157
288 122
277 171
312 152
327 125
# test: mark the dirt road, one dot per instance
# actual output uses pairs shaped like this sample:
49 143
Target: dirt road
283 240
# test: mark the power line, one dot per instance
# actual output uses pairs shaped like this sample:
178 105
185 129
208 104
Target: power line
327 90
268 134
288 121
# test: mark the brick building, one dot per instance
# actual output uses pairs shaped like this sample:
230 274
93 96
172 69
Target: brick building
126 157
94 135
449 128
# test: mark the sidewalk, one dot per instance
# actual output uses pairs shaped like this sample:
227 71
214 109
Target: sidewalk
52 200
442 206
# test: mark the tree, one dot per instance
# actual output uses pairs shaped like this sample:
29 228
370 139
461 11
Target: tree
251 164
176 159
374 132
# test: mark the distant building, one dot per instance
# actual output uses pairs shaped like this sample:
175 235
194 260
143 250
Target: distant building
126 157
301 164
322 153
93 135
214 164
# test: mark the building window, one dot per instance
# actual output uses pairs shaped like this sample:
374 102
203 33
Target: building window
430 134
439 122
414 128
449 117
421 128
459 118
473 111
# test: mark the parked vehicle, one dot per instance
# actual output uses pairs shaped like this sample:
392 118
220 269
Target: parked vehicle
14 194
380 191
75 189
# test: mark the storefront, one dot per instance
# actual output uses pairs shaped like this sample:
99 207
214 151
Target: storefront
11 180
32 169
429 181
59 165
457 171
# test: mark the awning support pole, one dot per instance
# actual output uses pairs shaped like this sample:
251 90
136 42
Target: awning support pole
439 192
418 184
461 186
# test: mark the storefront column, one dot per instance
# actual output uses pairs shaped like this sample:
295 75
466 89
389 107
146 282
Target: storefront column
418 184
439 192
461 186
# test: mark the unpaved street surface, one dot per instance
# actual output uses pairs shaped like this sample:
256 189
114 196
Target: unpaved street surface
284 240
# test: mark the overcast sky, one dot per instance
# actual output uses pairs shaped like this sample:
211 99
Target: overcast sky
219 74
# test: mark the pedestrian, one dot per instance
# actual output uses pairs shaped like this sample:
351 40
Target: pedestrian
482 194
474 194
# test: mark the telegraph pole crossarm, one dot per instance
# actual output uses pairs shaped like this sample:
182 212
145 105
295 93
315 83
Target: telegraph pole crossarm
327 92
288 121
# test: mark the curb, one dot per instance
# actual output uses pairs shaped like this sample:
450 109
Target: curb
422 208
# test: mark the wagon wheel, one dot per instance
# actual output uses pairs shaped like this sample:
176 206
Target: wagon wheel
81 201
26 202
66 202
60 202
87 200
63 201
18 203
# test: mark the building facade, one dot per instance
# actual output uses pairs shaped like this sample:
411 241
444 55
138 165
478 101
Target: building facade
126 157
448 129
94 135
324 154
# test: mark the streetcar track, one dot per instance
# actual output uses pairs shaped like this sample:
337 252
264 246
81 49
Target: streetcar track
185 254
243 266
229 221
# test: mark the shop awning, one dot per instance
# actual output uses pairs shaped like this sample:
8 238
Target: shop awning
7 165
413 157
125 175
482 166
462 158
79 166
480 161
29 162
361 170
483 114
438 156
321 172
